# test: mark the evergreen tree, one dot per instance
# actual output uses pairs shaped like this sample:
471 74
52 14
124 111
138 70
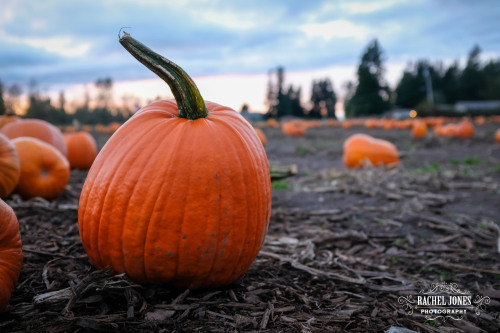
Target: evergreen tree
491 72
282 103
350 89
323 98
296 108
271 96
411 89
472 81
40 108
450 84
372 95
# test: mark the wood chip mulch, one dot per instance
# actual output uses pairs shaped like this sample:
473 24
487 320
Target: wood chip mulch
338 269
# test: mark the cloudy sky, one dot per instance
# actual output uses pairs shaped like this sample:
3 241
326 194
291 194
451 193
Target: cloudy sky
229 46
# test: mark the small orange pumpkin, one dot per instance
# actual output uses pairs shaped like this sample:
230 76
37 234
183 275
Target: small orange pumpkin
181 193
261 136
465 129
11 253
346 124
480 120
39 129
271 122
9 167
100 128
360 148
111 128
372 123
448 130
87 128
294 127
44 170
82 150
388 124
497 135
418 129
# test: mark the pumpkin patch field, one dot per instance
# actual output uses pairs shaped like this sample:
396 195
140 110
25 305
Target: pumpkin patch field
189 218
346 248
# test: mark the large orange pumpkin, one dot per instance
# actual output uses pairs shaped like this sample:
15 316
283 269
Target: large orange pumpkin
82 149
9 167
360 148
36 128
44 170
180 194
11 253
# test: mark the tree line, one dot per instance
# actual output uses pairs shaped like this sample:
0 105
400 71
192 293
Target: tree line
41 107
423 86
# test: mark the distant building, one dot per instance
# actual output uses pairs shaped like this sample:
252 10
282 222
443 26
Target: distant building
399 113
466 106
252 116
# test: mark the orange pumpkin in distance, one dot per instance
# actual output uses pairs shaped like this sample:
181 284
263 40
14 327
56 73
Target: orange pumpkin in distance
181 193
44 170
361 148
271 122
418 129
10 169
82 150
11 253
448 130
36 128
346 124
294 127
465 129
497 135
261 136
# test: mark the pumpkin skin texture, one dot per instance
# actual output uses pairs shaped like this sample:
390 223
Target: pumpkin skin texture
359 148
177 201
82 150
36 128
10 169
11 254
44 170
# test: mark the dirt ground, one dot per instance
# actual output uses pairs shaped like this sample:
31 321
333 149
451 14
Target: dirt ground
346 251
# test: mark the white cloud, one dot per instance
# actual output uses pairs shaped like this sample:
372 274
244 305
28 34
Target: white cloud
62 45
366 7
335 29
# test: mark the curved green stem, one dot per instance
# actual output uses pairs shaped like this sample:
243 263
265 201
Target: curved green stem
189 101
